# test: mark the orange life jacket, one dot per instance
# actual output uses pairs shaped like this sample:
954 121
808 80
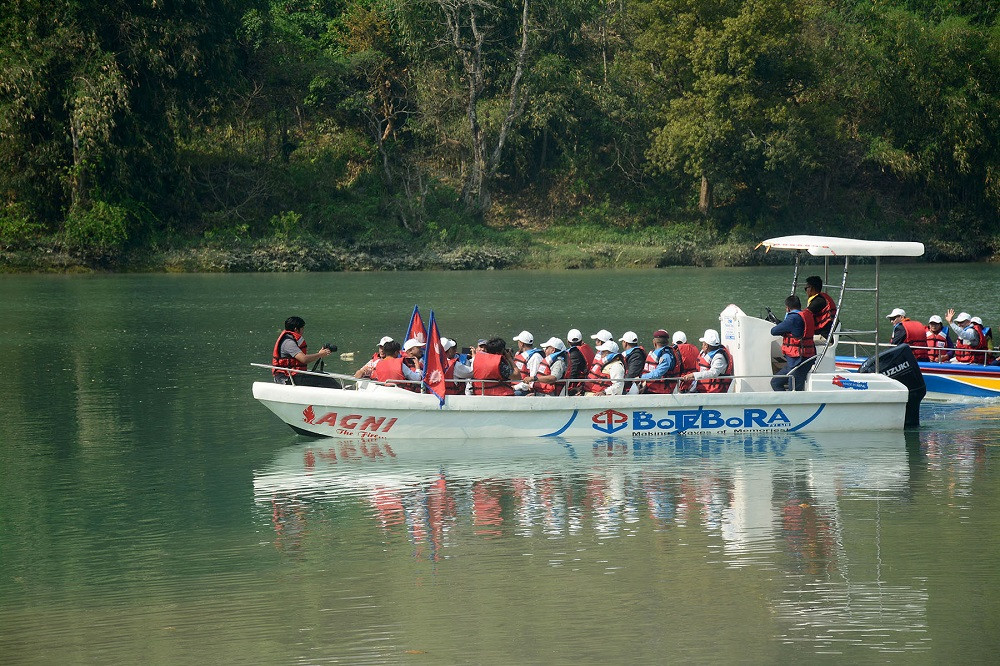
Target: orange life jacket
545 368
939 344
390 371
601 380
827 314
287 362
689 357
653 360
963 350
452 387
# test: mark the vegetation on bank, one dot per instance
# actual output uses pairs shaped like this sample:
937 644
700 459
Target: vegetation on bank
272 135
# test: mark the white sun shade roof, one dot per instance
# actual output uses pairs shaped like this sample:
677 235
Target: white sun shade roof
831 246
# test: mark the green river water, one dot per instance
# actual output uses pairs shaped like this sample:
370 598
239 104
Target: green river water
152 512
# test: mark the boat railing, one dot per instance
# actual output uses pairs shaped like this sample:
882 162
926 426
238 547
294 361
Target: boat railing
361 382
868 349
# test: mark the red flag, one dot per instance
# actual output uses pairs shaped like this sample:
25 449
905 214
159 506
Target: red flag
416 328
434 362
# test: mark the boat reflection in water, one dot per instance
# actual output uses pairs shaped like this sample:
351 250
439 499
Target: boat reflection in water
803 511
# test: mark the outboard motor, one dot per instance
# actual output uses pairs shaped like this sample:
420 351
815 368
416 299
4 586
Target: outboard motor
900 364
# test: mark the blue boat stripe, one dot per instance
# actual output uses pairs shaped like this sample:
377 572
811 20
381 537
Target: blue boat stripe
808 420
565 427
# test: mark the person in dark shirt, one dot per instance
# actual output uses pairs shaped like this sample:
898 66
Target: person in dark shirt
796 343
821 304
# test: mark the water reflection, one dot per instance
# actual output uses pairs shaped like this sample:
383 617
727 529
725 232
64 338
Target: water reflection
802 511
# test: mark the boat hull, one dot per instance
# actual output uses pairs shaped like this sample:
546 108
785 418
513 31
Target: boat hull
948 379
830 403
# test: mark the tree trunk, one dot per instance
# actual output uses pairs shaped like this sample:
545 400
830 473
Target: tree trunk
705 202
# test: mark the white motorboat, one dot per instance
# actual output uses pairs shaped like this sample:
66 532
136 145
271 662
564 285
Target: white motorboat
830 401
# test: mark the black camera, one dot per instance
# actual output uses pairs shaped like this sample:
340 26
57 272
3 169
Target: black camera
330 346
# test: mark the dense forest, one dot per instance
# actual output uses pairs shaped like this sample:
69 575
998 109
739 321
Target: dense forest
325 134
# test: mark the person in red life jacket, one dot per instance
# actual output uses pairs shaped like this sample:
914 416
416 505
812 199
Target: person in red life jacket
581 357
634 358
454 369
987 332
393 370
909 331
602 336
526 360
715 365
290 352
797 344
661 362
821 304
493 366
938 340
689 359
366 370
547 379
607 372
970 343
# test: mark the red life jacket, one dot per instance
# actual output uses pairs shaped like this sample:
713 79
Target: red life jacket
390 371
827 314
452 387
653 360
287 362
545 368
715 384
487 367
939 344
689 357
588 354
963 350
601 379
594 376
803 347
916 337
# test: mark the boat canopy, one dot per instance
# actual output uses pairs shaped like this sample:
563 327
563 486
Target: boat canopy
831 246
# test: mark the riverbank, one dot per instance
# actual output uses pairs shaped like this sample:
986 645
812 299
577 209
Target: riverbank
554 247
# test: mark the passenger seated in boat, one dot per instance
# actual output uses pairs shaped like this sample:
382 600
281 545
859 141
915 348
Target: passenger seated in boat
938 340
413 355
821 304
606 372
987 332
689 358
290 352
714 363
526 360
454 368
797 343
392 369
634 358
493 365
970 343
581 357
547 380
365 371
662 361
909 331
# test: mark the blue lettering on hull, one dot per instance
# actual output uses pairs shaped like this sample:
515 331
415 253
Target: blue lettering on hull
674 421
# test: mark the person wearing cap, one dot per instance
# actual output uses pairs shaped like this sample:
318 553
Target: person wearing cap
366 370
634 358
821 304
969 338
797 343
715 365
413 355
938 340
493 369
454 368
909 331
689 358
581 357
291 353
987 332
602 336
526 360
662 361
607 373
392 369
546 380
